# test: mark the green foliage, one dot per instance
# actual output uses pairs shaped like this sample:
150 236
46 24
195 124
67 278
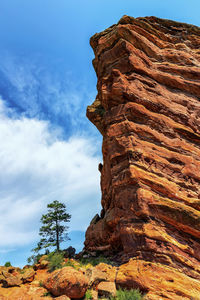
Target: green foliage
7 264
47 294
52 231
94 261
33 259
127 295
56 260
41 283
88 295
69 263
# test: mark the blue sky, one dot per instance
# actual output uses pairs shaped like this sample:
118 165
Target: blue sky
49 150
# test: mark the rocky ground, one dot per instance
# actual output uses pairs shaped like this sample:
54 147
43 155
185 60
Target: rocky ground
74 280
77 280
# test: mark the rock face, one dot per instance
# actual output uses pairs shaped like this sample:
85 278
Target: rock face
148 110
158 281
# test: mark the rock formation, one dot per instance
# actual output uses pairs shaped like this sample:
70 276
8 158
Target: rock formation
148 109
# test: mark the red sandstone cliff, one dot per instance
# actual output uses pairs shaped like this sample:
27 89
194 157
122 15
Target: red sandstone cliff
148 110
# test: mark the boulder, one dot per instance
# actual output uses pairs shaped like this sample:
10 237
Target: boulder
10 280
106 289
44 264
67 281
43 257
27 267
1 278
95 276
28 275
109 270
69 252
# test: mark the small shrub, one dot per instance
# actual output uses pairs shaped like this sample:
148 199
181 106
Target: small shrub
41 283
88 295
46 294
55 261
7 264
69 263
127 295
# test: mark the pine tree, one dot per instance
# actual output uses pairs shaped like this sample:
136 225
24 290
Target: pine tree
53 231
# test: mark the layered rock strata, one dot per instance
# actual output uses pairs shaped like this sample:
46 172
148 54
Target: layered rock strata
148 109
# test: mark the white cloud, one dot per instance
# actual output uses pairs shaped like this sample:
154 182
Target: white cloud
44 92
36 168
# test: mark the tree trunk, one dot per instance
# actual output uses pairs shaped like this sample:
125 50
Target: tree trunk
57 237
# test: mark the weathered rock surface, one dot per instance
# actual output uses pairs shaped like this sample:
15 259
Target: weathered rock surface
28 275
157 280
106 289
10 277
24 292
18 285
42 263
109 270
148 110
95 276
67 281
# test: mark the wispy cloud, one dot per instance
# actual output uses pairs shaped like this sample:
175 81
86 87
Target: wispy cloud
41 91
38 167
